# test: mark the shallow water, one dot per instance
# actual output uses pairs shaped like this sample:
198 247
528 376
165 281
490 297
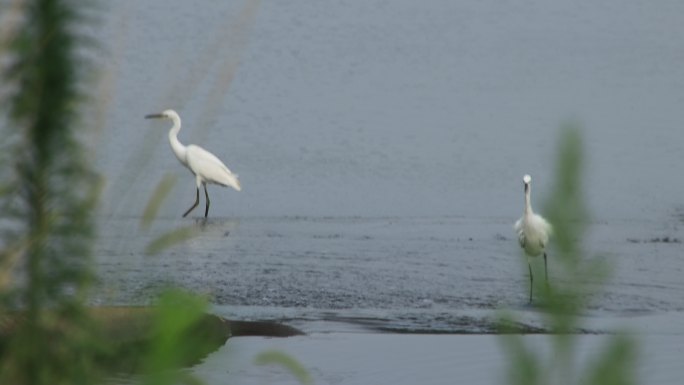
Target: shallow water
381 147
410 359
429 274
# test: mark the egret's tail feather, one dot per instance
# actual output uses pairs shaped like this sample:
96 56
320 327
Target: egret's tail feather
229 180
233 181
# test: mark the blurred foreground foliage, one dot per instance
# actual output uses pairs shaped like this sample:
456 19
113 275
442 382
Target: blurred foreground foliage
48 335
276 357
565 298
48 196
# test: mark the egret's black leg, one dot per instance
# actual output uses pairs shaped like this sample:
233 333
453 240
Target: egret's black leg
531 279
546 272
206 194
193 206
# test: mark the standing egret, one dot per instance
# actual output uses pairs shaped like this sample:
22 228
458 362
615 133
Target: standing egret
205 165
533 232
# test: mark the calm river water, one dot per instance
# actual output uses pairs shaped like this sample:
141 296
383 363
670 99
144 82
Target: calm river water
381 146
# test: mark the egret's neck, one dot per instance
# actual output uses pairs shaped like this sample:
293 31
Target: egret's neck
528 204
177 147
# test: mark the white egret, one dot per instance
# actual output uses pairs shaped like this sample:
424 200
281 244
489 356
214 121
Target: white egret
533 232
205 165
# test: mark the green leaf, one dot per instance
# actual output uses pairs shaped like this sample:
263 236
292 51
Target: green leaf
169 239
275 357
615 364
160 193
174 317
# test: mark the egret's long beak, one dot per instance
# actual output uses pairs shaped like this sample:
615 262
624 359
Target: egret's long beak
154 116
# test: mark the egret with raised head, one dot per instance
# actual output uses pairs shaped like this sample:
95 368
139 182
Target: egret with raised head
533 232
206 167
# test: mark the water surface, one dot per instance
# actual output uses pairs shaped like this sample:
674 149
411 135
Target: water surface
381 147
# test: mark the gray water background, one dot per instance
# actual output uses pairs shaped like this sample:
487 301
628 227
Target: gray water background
381 147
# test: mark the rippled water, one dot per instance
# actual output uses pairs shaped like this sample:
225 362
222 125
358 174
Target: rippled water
381 146
430 274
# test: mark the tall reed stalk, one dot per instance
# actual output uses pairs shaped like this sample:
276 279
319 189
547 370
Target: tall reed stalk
48 196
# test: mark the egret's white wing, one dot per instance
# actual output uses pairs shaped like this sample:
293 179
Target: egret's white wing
518 227
210 168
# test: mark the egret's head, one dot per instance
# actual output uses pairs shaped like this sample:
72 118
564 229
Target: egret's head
166 114
527 179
